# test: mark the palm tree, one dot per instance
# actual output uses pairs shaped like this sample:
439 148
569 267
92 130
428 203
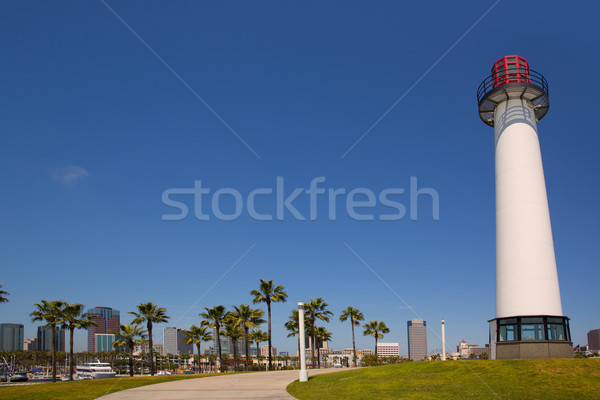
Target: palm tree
184 359
266 293
258 336
196 335
50 312
247 318
322 335
375 329
293 327
355 316
150 313
211 361
214 318
232 331
2 293
130 335
72 318
317 308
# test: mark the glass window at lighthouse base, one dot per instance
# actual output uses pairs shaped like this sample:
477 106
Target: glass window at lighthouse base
507 330
556 329
533 328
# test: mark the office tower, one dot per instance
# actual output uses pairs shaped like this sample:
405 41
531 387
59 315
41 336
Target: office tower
417 339
107 321
30 344
320 343
593 338
227 344
529 321
173 341
104 341
44 338
11 337
264 350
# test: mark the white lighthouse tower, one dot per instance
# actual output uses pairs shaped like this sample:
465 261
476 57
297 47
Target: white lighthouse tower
529 321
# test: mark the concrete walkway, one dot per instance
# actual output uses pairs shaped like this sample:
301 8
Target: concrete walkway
259 385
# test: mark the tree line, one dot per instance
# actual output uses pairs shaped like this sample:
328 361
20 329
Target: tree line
241 321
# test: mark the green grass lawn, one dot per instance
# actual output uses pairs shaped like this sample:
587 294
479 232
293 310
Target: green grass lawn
85 390
546 379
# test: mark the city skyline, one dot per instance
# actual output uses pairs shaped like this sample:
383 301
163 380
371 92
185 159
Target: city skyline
97 128
594 334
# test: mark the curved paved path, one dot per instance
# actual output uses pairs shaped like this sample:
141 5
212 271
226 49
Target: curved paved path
259 385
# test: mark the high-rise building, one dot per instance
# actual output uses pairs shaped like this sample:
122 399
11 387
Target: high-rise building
388 349
44 338
320 343
227 344
593 338
107 321
264 350
417 339
173 341
11 337
30 344
104 341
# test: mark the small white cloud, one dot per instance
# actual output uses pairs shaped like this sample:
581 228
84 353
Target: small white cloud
68 175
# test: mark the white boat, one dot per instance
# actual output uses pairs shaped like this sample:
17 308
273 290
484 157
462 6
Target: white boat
95 370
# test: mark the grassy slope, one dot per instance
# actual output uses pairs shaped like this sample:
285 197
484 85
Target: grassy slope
84 390
546 379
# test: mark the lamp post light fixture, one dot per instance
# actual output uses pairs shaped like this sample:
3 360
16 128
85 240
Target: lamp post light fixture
303 373
443 341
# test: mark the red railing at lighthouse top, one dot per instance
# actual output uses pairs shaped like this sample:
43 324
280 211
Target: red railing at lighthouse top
510 69
512 78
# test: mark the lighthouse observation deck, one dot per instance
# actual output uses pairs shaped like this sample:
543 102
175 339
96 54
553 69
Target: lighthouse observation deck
512 78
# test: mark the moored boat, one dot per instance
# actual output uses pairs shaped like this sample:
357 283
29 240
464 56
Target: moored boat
95 370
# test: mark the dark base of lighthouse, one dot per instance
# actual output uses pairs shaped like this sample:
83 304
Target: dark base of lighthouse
530 336
531 349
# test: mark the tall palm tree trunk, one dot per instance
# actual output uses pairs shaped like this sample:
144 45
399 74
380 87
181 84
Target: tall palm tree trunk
131 359
257 354
219 346
53 336
376 344
246 337
234 343
270 356
151 350
71 333
353 342
312 345
198 345
319 357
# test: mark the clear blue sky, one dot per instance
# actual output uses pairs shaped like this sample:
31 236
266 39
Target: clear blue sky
300 82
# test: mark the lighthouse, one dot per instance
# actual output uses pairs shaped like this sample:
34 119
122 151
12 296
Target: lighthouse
529 321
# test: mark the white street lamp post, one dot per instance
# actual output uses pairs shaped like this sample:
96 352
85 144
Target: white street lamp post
303 373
